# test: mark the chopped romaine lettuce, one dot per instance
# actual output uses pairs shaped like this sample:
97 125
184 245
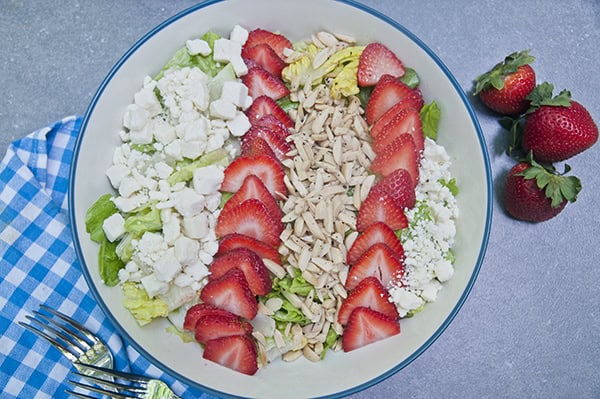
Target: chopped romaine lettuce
410 78
142 307
184 170
215 86
430 116
125 247
330 339
182 58
95 216
109 263
451 185
145 219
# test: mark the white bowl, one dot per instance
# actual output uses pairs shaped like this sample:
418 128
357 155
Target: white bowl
459 132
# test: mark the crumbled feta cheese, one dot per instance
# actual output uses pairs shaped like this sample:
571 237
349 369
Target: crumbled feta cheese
223 109
135 117
153 286
239 125
207 180
186 250
239 34
167 266
114 227
189 202
198 46
116 173
196 226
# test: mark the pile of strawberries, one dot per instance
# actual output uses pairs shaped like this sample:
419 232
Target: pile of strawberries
249 224
545 129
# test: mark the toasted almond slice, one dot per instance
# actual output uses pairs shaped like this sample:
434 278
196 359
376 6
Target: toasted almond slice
274 268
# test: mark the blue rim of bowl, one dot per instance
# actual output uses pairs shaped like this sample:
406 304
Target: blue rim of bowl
419 350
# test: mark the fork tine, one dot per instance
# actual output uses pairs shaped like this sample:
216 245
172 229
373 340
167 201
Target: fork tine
78 326
65 351
116 374
118 390
62 332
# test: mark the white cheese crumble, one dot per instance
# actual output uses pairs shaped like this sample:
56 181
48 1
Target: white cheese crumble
429 239
172 120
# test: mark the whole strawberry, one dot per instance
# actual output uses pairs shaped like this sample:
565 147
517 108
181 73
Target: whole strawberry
505 87
535 193
556 128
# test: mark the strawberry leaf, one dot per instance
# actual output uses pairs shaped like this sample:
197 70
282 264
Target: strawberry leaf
556 186
495 77
542 94
515 128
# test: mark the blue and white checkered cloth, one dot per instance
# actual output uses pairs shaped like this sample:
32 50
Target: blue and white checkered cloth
38 265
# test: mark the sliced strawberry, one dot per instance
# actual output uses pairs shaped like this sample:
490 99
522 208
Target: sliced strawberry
388 92
264 56
262 83
216 326
367 326
414 100
232 241
380 262
256 147
400 186
277 143
237 352
406 121
274 124
378 232
232 293
264 105
200 310
380 207
253 187
266 168
369 293
249 263
375 61
400 153
274 40
250 218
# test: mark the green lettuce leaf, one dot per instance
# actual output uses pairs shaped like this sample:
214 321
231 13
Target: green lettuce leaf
145 219
410 78
182 59
95 216
143 308
430 116
109 263
184 170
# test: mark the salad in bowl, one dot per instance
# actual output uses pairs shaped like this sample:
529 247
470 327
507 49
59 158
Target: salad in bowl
277 202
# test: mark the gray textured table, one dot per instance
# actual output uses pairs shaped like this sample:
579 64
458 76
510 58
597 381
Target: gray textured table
530 327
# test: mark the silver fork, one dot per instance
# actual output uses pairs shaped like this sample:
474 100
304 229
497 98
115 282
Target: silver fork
126 385
77 343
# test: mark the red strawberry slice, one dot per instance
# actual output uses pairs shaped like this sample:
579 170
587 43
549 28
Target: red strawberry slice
399 186
249 263
274 124
232 241
407 121
378 232
253 187
414 100
367 326
216 326
252 219
264 105
232 293
400 153
264 56
200 310
257 147
262 83
274 40
266 168
237 352
375 61
387 93
277 143
380 262
369 293
380 207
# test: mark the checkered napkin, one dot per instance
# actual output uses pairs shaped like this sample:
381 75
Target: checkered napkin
38 265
